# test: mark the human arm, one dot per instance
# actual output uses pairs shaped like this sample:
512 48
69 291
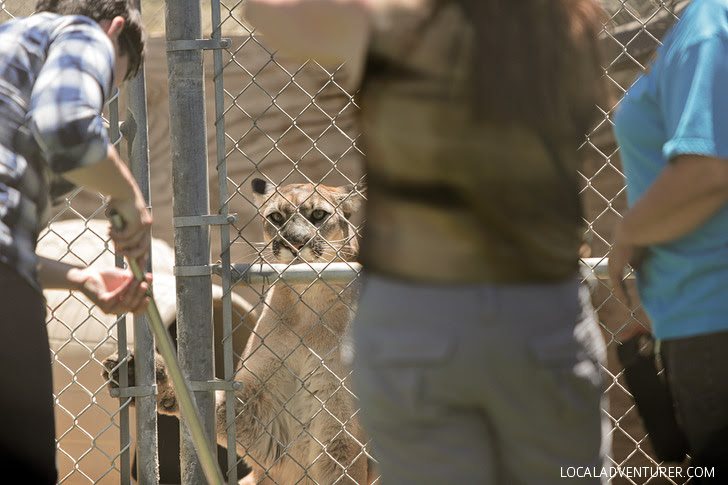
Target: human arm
326 30
113 290
113 178
684 196
692 184
64 116
690 190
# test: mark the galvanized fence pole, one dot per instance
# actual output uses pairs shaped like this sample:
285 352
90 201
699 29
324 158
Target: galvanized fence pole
191 199
122 345
226 273
136 131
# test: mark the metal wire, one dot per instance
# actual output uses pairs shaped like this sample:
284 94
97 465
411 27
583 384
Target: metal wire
294 122
187 405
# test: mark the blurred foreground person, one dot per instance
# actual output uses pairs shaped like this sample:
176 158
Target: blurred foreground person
477 352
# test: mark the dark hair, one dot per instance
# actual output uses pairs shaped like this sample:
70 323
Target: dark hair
538 62
132 39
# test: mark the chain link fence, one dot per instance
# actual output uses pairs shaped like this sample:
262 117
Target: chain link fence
268 117
631 35
284 121
289 122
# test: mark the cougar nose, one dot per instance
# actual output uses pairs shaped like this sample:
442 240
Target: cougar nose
295 246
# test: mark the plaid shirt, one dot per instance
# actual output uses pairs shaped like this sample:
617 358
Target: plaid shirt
56 72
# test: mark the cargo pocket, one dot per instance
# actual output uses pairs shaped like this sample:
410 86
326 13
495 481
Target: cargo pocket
402 371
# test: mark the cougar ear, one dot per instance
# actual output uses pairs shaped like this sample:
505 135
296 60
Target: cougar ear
262 189
351 197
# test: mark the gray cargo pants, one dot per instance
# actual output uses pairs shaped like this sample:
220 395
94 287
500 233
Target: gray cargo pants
480 384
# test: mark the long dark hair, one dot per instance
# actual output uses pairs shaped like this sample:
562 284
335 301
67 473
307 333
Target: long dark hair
538 62
132 38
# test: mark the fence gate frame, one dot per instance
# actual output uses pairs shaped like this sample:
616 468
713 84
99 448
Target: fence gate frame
135 130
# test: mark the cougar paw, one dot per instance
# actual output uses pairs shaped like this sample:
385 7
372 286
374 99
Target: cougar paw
166 397
112 370
167 400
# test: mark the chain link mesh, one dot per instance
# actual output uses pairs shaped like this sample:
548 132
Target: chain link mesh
631 35
292 122
264 119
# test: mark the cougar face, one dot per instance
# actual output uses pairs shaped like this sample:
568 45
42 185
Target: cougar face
308 223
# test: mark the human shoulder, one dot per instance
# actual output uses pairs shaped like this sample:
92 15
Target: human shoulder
42 29
81 42
702 20
29 26
79 55
385 9
54 20
701 32
64 24
395 23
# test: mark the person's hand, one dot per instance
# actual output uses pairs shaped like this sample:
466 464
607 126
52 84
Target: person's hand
621 255
114 290
134 239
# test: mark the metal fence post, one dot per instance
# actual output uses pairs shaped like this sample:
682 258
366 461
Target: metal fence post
124 435
226 273
136 132
191 198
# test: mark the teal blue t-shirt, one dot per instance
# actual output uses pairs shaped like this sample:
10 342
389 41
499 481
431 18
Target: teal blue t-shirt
681 107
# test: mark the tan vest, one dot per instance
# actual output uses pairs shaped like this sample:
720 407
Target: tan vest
452 200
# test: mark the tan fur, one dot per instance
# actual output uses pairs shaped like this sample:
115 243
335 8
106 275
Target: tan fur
295 417
295 411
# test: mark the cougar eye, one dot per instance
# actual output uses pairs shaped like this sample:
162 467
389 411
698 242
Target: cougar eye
276 217
318 215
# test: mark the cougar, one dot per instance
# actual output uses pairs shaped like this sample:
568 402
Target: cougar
296 414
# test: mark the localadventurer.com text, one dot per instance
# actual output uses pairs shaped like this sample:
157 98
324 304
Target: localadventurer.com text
637 472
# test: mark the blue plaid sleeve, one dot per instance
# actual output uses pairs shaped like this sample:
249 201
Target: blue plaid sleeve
69 94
